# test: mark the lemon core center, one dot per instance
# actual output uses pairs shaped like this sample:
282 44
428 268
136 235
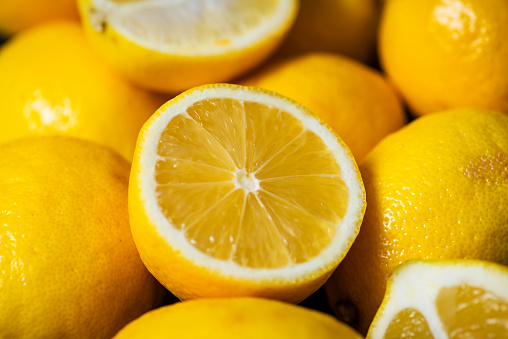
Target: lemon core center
247 181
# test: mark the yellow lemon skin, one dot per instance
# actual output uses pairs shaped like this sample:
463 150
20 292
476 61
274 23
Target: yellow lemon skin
354 100
53 83
236 318
444 54
170 73
347 27
436 189
18 15
69 267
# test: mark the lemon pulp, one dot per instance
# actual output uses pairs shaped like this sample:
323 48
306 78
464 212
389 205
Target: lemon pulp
191 26
465 311
408 323
472 312
248 183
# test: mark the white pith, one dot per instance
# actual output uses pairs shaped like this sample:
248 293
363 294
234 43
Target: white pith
417 286
115 15
246 181
346 230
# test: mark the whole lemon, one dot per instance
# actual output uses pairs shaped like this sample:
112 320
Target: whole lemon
444 54
68 265
53 83
245 318
21 14
355 100
436 189
347 27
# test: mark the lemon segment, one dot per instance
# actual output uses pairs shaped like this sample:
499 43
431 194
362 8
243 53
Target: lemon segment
408 322
244 187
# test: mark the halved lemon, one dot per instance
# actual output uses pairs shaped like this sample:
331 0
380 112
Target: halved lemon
431 299
173 45
237 191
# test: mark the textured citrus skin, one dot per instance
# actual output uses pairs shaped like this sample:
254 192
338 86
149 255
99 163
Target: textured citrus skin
21 14
445 54
190 280
248 318
172 73
68 265
436 189
347 27
355 100
53 83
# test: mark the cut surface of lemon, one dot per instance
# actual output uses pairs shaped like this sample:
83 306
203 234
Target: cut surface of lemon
172 45
239 191
444 299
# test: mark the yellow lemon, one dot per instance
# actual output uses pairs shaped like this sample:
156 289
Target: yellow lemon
16 15
355 100
347 27
68 265
450 299
236 191
436 189
246 318
53 83
171 46
445 54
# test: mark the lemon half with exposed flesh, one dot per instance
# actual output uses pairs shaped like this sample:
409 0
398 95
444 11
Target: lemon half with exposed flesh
172 45
444 299
237 191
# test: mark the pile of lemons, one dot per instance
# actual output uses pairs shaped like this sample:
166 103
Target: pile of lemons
197 168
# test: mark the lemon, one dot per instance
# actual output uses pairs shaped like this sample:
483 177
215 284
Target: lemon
444 54
53 83
171 46
436 189
347 27
18 15
444 299
68 265
236 191
355 100
246 318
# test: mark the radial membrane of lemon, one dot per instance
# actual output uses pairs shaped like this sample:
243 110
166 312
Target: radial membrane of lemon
248 183
185 27
472 312
465 312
